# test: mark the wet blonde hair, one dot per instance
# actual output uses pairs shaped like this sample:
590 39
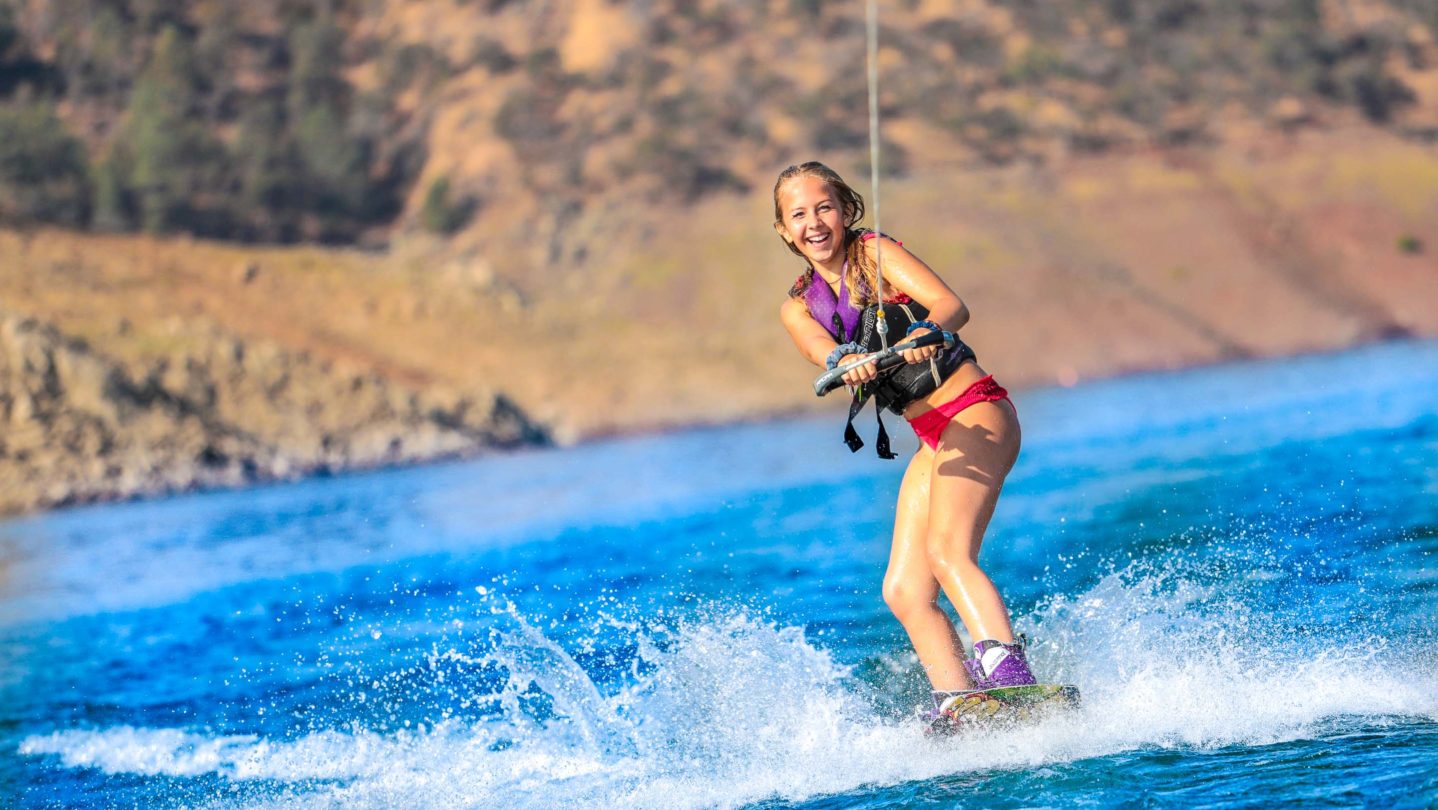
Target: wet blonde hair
860 273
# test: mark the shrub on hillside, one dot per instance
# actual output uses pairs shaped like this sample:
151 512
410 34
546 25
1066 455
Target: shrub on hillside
42 167
1376 93
440 213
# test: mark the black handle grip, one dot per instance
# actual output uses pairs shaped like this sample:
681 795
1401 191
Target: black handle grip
887 359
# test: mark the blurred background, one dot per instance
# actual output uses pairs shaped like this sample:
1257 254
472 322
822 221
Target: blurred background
243 241
250 242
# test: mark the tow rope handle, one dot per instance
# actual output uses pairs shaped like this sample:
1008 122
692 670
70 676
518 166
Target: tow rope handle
886 359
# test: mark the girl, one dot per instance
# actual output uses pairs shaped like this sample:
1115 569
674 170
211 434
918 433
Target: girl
968 429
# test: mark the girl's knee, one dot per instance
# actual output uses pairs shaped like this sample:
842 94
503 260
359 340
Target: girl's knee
906 600
948 555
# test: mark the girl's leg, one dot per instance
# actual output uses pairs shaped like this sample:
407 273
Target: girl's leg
909 586
976 452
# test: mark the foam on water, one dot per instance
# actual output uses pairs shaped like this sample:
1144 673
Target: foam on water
729 708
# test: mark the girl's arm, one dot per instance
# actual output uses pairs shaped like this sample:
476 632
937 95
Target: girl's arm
906 273
814 342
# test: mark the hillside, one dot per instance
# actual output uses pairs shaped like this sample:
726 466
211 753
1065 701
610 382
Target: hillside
533 132
560 223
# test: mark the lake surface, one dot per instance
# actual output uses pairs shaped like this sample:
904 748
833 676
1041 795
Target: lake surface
1238 565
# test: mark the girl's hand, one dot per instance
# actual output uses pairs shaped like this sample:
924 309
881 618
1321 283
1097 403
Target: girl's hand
862 374
920 355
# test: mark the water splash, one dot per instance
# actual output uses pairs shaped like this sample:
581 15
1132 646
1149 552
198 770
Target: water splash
726 708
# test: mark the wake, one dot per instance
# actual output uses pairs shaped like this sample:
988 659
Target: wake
728 708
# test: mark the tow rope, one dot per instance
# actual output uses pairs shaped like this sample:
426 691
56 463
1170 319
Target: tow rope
871 24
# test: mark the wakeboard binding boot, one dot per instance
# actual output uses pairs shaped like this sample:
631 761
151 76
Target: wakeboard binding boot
995 665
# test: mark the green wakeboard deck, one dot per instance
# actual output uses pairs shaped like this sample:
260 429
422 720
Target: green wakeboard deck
1005 705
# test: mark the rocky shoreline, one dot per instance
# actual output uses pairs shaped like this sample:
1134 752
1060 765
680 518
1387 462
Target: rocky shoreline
83 426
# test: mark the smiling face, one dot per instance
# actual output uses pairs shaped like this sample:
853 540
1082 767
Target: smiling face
812 220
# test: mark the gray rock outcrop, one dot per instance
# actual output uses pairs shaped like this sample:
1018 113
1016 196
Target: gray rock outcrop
77 424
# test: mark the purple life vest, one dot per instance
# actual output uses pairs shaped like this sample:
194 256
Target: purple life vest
836 313
833 312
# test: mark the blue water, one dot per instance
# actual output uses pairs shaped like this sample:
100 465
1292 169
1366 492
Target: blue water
1236 565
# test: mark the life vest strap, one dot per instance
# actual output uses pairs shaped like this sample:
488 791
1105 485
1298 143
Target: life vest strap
851 436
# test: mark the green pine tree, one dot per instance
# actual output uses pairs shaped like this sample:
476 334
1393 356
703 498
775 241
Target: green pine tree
332 159
173 156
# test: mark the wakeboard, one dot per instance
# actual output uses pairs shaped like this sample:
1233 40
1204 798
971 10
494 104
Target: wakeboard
1001 706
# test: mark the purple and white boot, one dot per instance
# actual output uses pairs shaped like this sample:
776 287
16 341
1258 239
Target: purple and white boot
996 664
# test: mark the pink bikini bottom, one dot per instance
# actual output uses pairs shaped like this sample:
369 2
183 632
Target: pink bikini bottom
930 425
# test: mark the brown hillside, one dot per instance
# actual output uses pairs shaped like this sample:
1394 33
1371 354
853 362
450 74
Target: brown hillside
584 248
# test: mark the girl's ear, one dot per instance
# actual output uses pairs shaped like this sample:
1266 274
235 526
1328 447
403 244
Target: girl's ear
783 234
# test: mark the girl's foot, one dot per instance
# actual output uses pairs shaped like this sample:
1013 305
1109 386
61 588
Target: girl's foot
944 703
996 664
